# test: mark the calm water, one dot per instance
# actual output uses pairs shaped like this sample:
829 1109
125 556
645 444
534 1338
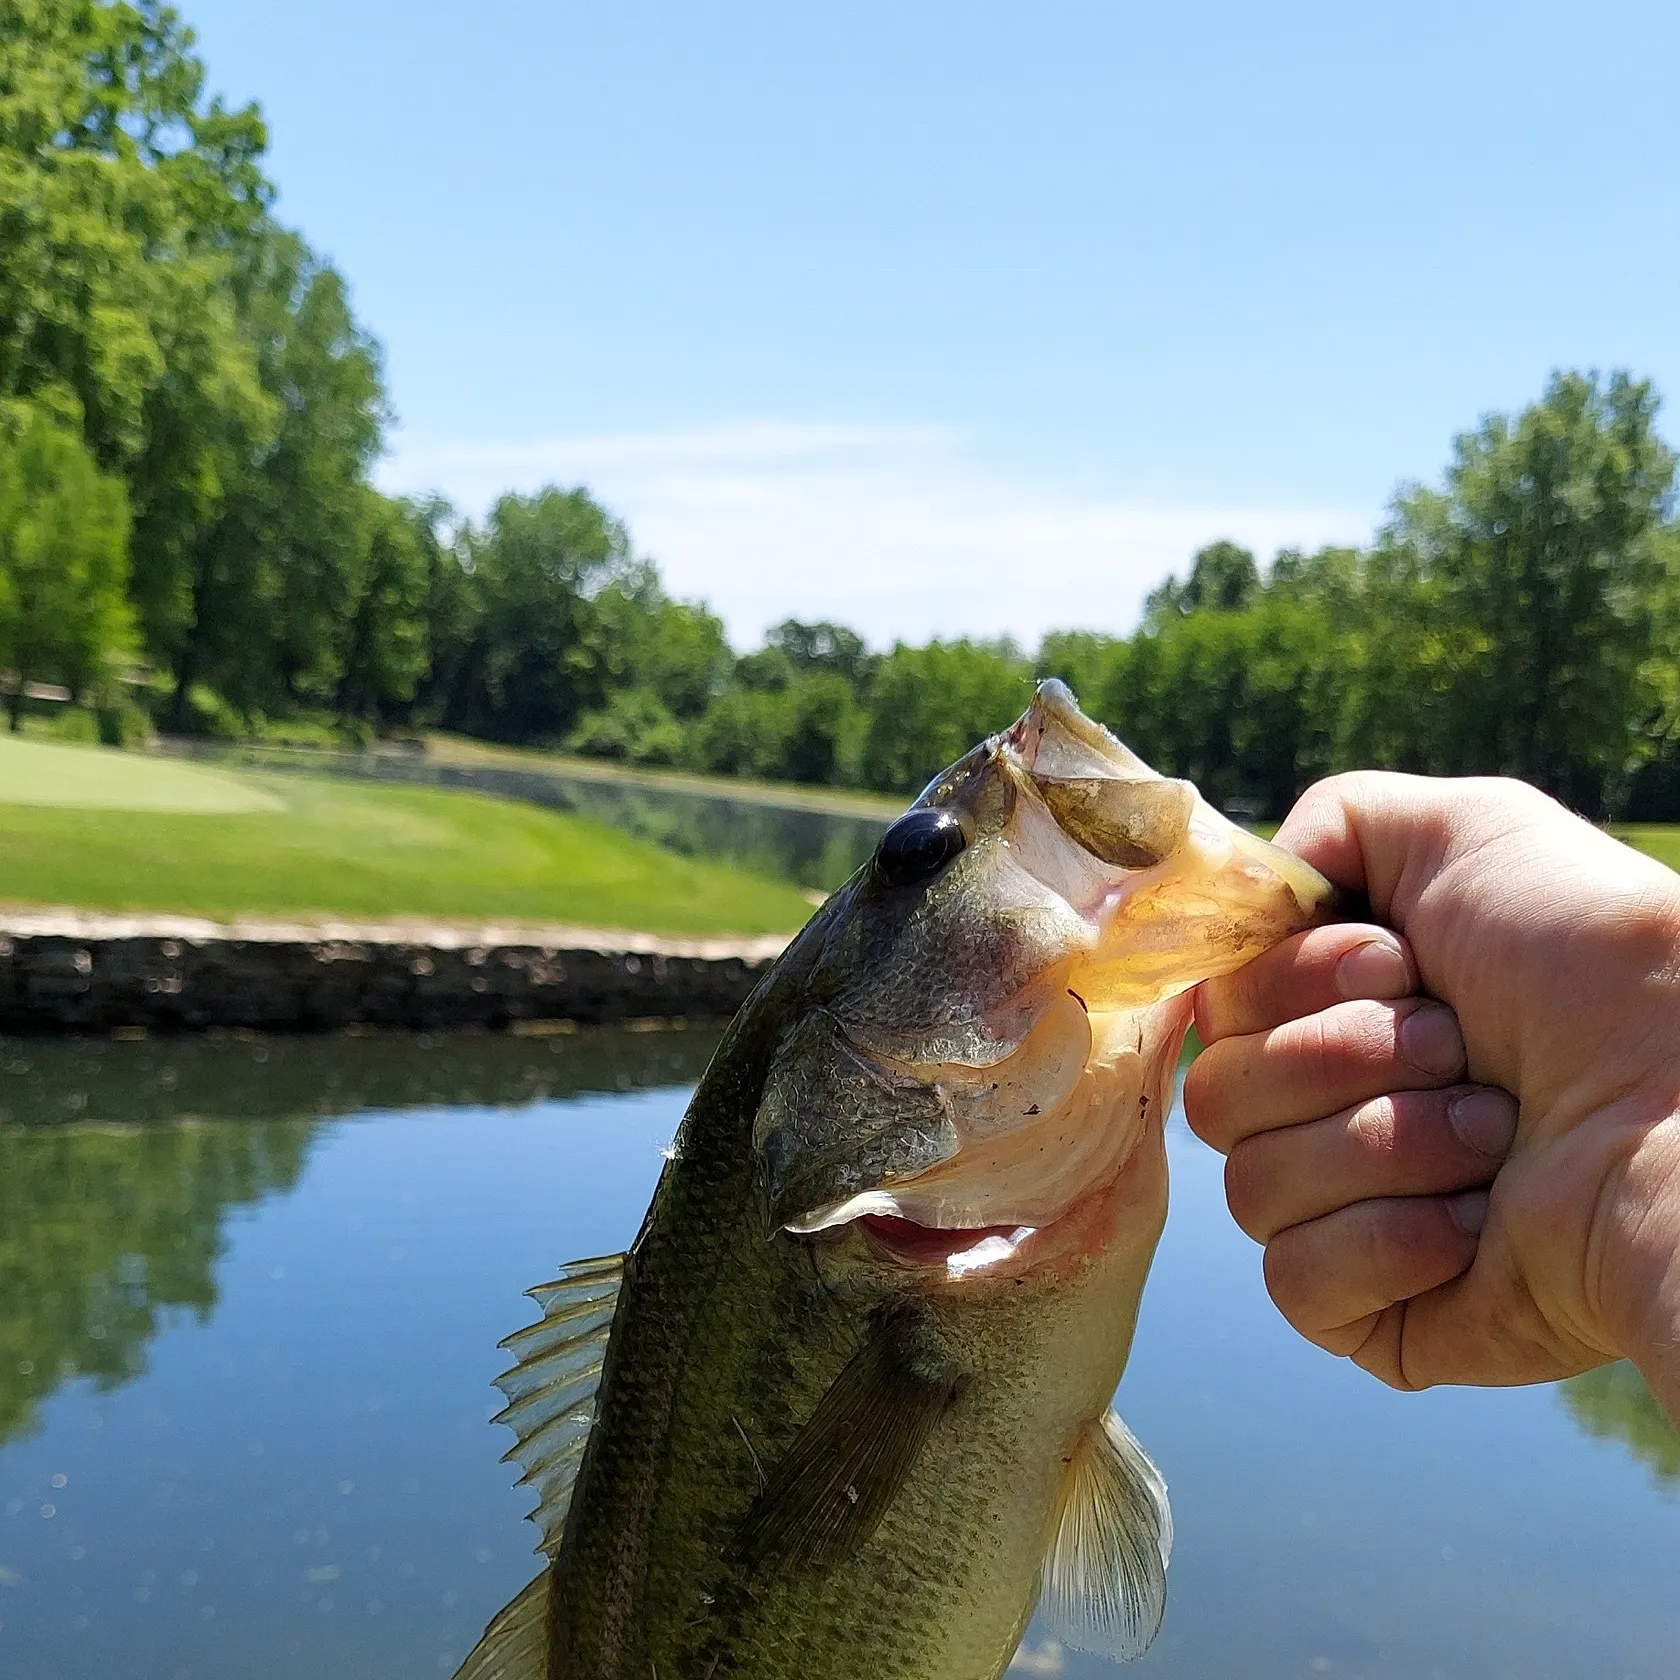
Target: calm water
249 1299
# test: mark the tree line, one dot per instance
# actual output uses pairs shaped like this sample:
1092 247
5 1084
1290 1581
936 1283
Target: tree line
189 536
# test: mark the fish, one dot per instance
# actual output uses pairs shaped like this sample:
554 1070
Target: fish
843 1408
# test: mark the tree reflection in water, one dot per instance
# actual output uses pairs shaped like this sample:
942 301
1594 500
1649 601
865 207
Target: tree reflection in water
105 1229
1613 1402
120 1163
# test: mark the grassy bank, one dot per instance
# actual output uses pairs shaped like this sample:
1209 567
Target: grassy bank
105 830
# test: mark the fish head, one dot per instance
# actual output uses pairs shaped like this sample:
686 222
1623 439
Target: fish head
997 1000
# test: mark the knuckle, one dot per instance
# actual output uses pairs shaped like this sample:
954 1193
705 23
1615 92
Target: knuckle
1346 1341
1381 1349
1204 1111
1316 1041
1286 1280
1412 1246
1212 1010
1372 1129
1249 1190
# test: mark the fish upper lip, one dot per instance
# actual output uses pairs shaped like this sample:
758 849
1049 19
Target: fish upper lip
1053 702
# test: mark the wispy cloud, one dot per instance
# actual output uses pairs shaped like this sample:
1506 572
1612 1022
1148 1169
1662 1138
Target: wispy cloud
1040 1659
901 531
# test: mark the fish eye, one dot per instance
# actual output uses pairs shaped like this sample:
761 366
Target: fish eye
918 846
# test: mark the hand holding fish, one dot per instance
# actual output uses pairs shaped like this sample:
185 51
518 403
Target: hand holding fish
1417 1218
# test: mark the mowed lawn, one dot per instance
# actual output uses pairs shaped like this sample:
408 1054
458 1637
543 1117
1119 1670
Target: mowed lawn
1658 840
106 830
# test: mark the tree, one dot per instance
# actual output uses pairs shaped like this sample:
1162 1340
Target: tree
63 561
1089 663
641 638
539 562
1223 578
123 199
274 574
1548 563
382 650
822 646
929 705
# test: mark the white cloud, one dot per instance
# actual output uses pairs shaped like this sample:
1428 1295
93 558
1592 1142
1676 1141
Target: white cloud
1045 1659
899 531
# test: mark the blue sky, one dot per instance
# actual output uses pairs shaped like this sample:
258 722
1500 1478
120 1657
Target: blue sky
970 319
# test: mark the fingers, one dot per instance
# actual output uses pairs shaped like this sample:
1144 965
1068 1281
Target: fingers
1336 1278
1405 1143
1327 1062
1303 975
1387 834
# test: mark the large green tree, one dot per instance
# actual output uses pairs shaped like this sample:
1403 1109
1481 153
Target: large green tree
210 358
539 561
272 577
124 200
381 647
63 559
1542 570
929 705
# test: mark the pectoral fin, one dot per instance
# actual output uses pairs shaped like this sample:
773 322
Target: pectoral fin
845 1467
515 1645
1105 1576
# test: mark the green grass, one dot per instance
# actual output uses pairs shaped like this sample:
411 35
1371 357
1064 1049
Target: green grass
36 772
304 846
1658 840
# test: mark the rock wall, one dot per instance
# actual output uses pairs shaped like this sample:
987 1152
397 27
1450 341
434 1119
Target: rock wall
65 971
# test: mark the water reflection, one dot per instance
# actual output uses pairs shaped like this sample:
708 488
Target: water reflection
1614 1403
120 1164
813 849
245 1076
102 1231
276 1462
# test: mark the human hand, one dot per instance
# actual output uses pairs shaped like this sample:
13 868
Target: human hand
1416 1217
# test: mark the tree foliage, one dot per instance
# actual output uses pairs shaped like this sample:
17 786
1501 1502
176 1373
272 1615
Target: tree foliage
63 560
190 413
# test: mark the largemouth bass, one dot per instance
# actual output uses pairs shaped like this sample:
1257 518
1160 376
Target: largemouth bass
843 1409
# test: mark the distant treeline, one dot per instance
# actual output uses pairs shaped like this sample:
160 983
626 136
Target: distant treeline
189 538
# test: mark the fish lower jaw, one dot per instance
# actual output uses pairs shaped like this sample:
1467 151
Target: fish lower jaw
953 1255
956 1252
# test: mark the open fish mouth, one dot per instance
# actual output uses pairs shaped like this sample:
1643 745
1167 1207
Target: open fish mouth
1032 926
958 1252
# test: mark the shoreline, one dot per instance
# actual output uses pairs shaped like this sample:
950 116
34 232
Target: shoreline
66 970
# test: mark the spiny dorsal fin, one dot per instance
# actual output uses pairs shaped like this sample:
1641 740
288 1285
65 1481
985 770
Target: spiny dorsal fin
515 1645
1105 1577
551 1388
845 1467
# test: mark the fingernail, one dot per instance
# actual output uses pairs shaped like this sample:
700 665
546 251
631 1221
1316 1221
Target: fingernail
1430 1040
1469 1211
1485 1119
1376 969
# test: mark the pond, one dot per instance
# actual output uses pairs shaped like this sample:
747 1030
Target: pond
250 1292
809 843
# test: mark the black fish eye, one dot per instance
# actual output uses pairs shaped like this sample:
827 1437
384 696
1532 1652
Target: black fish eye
917 846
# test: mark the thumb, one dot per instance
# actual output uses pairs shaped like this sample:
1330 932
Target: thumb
1375 832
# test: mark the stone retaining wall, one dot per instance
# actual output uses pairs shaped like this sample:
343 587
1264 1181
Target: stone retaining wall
66 971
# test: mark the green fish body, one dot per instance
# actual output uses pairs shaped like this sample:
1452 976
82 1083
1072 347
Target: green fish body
843 1408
